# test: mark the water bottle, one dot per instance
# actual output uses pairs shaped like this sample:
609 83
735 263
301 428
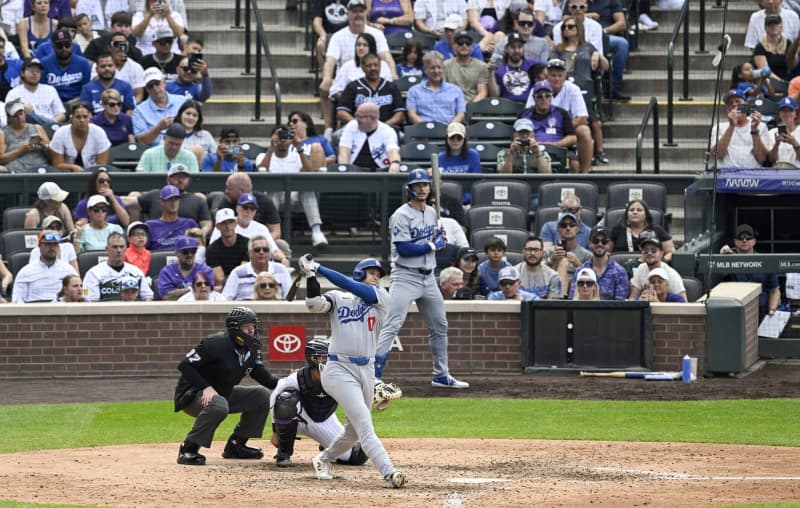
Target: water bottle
687 369
761 73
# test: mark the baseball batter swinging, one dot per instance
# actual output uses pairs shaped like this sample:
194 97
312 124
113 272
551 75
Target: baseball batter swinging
356 316
316 416
415 240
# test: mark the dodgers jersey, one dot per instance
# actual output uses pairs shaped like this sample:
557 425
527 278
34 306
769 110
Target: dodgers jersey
355 324
408 224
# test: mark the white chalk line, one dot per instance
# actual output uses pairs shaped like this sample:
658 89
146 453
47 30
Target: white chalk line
684 476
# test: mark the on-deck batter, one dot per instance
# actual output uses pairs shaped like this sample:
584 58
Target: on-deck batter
415 240
349 375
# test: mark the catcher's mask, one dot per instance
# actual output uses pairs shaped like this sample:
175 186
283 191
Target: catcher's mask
233 323
316 349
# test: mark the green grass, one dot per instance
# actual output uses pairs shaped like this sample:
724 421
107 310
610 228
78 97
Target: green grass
757 422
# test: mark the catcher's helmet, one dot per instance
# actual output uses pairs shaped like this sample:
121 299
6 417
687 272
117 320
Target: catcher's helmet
416 176
360 271
234 321
316 348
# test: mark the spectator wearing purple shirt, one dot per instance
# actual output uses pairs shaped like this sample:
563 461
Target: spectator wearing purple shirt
612 279
167 229
176 278
551 124
511 79
117 125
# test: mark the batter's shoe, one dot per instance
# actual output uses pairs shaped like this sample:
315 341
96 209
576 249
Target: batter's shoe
188 456
237 450
448 382
396 480
283 460
323 470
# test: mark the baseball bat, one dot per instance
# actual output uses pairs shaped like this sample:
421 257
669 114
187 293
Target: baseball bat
436 177
295 286
624 375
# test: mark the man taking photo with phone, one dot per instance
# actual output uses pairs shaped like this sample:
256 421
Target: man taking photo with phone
565 256
785 138
230 156
743 141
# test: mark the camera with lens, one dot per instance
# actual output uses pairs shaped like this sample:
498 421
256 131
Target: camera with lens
234 149
525 142
745 108
284 134
122 46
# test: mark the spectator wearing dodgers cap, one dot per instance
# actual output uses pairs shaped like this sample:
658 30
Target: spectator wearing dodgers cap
67 72
159 159
509 287
169 227
50 202
152 116
175 279
785 138
742 141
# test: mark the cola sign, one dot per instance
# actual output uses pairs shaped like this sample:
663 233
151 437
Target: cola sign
287 343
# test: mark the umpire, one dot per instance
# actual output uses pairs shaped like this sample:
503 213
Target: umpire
208 391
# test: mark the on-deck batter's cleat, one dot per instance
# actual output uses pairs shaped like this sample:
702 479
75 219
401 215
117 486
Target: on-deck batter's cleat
448 382
187 457
234 450
396 479
323 470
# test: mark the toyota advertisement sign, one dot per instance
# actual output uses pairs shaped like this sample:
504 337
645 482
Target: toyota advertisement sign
287 343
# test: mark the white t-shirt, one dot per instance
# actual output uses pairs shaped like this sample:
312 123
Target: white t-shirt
552 12
785 151
568 98
755 27
213 296
639 279
740 149
11 14
592 30
45 99
94 10
380 142
500 7
453 231
342 45
434 12
241 280
97 142
66 253
253 229
289 164
145 41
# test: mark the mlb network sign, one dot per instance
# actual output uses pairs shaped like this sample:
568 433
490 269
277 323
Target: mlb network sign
287 343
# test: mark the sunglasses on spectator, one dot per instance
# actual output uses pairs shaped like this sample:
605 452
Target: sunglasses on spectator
188 252
585 283
464 42
575 210
580 7
565 225
261 250
506 283
202 283
598 241
186 68
103 179
744 238
63 45
566 27
526 24
543 95
265 285
51 237
651 250
457 137
249 208
99 209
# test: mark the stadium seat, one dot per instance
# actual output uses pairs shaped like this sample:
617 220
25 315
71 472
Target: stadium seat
425 131
18 240
406 167
501 192
91 258
253 150
495 109
612 218
552 193
497 217
418 151
558 158
158 260
628 260
488 155
427 41
511 256
550 213
335 167
14 217
694 288
397 40
513 238
126 156
18 260
406 82
490 131
453 189
654 194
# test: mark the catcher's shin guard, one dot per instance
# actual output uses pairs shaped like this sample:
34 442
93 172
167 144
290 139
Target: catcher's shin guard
287 432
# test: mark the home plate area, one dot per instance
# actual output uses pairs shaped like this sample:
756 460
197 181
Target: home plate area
441 472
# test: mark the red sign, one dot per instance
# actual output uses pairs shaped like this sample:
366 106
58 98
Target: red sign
287 343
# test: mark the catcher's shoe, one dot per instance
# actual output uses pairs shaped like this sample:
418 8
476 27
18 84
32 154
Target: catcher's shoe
188 456
448 382
396 480
283 460
323 470
236 450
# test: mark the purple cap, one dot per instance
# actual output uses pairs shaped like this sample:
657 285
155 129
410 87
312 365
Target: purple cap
185 242
542 85
169 192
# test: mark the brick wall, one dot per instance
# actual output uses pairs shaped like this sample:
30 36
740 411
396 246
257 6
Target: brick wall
149 339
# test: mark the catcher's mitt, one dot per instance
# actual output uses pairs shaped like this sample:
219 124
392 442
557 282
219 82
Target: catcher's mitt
384 392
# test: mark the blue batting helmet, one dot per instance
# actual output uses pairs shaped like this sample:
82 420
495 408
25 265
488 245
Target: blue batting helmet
360 271
416 176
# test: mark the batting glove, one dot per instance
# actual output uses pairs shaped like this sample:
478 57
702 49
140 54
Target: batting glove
439 241
307 265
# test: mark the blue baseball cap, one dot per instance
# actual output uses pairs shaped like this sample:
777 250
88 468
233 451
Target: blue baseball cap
734 93
788 102
128 282
247 199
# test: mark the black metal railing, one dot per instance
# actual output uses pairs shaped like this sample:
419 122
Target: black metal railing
683 19
251 9
651 111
